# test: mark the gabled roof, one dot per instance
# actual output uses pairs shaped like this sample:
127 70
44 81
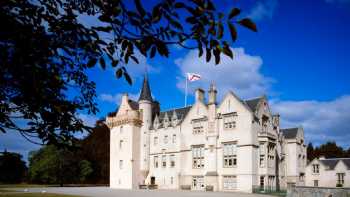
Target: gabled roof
290 133
253 103
332 162
145 91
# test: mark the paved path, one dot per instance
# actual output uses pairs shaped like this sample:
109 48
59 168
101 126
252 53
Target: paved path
108 192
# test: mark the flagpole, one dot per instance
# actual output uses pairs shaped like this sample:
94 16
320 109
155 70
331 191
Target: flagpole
186 92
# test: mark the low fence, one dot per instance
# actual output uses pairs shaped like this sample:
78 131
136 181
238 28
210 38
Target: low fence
303 191
275 191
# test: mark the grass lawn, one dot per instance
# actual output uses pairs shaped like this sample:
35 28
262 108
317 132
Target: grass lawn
9 194
23 185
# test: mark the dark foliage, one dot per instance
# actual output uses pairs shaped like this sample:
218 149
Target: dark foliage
328 150
87 163
95 149
45 49
12 167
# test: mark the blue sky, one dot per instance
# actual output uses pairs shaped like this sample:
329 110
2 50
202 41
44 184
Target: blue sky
299 59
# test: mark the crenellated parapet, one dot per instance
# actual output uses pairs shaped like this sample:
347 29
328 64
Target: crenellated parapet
130 117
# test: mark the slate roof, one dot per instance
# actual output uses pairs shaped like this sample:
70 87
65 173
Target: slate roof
332 162
145 91
133 104
180 112
290 133
253 103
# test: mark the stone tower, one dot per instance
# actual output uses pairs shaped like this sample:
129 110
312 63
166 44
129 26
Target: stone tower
145 107
125 145
129 140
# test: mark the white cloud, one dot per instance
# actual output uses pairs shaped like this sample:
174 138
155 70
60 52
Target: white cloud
88 119
116 98
240 74
322 120
263 9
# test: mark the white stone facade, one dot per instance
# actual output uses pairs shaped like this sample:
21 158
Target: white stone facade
232 145
332 172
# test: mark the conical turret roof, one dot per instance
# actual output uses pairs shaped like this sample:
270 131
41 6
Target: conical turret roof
145 91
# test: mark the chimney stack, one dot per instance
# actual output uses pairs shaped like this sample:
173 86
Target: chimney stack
199 95
212 94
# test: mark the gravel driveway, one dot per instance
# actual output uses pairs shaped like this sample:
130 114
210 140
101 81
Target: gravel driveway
108 192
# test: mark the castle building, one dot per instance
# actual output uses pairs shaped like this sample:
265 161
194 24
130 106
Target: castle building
231 145
330 172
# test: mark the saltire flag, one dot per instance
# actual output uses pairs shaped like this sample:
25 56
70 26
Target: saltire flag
193 77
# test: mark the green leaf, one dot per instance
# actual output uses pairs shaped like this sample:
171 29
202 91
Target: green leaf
227 50
104 29
156 14
208 54
119 73
134 59
234 12
91 63
246 22
220 30
200 48
179 5
216 53
153 52
128 78
139 8
102 63
115 63
232 31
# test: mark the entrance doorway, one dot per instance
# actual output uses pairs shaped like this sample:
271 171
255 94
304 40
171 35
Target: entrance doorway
153 180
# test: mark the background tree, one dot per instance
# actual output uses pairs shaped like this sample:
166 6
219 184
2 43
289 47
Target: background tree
85 170
95 149
46 48
51 165
12 167
329 149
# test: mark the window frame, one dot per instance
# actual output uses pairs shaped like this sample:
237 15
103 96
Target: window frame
229 154
198 156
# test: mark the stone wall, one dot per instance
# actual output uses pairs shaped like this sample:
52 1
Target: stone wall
300 191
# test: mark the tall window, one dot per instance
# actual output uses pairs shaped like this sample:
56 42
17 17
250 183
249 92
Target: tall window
198 182
155 141
174 138
121 144
121 130
316 168
165 139
340 179
120 164
229 122
198 156
163 161
197 127
155 161
262 155
230 156
229 182
262 182
315 183
172 161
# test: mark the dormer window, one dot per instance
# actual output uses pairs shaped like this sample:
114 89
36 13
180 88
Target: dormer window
166 123
197 127
229 120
